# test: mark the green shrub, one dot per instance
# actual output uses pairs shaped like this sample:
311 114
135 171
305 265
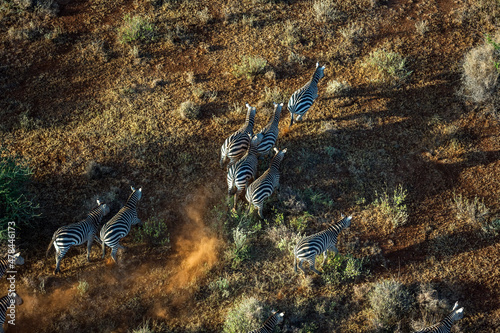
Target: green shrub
342 269
247 315
137 29
14 206
492 228
299 223
221 286
154 232
393 207
250 67
83 287
390 66
240 249
389 301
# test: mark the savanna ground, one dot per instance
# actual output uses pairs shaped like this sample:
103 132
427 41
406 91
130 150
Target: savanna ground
90 95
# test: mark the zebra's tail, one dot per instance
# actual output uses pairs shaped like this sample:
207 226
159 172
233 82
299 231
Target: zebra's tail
291 121
50 245
295 258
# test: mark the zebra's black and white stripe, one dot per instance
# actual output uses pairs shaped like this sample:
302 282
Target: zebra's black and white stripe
5 302
5 264
264 186
309 247
302 99
120 224
236 145
275 319
444 326
78 233
241 174
270 132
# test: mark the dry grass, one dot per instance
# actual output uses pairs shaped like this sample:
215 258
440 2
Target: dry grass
480 77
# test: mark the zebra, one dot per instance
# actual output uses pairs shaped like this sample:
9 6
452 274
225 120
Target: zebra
119 225
270 132
5 263
264 186
5 303
235 146
444 326
77 234
309 247
241 174
302 99
275 319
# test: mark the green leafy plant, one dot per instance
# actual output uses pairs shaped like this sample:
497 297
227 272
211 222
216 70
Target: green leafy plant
83 287
299 223
390 66
154 232
393 207
137 28
496 47
14 205
342 269
221 285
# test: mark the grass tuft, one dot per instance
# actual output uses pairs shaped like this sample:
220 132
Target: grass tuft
472 211
250 67
389 67
389 301
137 28
189 110
245 316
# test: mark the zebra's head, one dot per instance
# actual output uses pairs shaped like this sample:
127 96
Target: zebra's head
17 299
457 314
280 318
277 108
348 221
251 110
104 209
256 140
319 71
136 193
18 259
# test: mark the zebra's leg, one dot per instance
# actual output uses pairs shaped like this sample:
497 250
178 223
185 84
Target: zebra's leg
324 257
313 264
295 263
103 249
261 209
299 118
236 196
300 265
89 246
113 253
59 255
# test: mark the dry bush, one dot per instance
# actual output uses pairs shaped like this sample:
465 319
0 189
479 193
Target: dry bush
283 238
189 110
244 316
353 33
389 301
291 35
337 88
479 75
388 67
472 211
250 66
324 11
422 27
392 208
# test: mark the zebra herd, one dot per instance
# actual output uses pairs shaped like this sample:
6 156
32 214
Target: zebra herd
240 153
